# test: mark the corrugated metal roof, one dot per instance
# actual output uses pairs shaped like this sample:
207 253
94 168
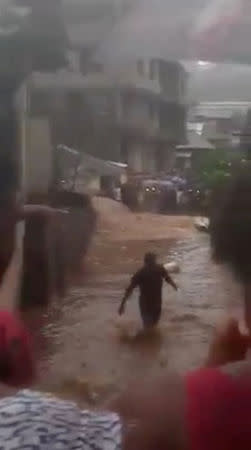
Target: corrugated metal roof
88 162
195 141
66 80
100 166
214 113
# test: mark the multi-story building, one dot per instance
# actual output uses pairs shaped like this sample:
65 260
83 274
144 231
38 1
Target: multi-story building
140 106
134 112
154 112
220 122
245 136
131 114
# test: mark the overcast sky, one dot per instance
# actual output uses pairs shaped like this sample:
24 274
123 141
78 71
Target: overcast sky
173 27
170 28
156 27
178 29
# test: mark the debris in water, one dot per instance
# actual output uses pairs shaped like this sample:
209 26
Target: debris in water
202 224
172 267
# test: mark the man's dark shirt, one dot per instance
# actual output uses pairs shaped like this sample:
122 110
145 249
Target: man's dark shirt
149 279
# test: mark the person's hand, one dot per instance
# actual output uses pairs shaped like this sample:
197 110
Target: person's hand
228 345
42 210
152 413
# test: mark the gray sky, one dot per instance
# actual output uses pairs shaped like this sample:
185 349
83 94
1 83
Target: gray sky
171 28
174 28
155 27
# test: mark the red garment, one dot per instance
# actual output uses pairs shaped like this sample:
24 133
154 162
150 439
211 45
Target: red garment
218 411
13 333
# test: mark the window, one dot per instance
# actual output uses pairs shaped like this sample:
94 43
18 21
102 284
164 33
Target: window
140 67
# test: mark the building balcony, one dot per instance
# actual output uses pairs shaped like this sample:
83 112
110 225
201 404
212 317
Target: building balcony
147 123
148 131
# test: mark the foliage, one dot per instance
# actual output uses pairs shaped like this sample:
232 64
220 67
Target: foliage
214 168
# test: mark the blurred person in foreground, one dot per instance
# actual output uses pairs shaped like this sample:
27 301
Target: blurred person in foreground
205 409
17 366
209 408
149 280
10 214
12 211
230 229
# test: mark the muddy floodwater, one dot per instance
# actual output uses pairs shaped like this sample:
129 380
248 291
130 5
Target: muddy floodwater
85 349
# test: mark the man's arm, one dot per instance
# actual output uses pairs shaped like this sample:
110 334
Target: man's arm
27 211
169 280
133 284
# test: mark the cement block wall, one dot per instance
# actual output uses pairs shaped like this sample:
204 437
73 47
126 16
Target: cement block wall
135 162
38 156
141 157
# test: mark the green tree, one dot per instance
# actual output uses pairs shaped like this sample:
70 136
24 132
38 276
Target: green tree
214 168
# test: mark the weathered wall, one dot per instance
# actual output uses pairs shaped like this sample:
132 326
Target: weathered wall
135 157
142 157
149 157
38 156
139 112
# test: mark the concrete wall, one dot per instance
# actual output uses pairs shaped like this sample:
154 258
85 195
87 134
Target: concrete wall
127 74
135 157
149 158
34 147
141 157
138 112
158 77
38 156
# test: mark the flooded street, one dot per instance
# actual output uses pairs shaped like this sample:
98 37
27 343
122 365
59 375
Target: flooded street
87 349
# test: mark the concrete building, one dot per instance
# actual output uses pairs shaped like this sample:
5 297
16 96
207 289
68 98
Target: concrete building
220 122
154 112
212 109
245 136
190 154
131 114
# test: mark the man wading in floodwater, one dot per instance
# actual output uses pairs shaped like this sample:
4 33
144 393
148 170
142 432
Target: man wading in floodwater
149 279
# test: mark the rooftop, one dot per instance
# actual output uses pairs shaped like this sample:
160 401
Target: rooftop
195 142
219 110
66 80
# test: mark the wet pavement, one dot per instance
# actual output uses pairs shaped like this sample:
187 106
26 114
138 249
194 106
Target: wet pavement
86 349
